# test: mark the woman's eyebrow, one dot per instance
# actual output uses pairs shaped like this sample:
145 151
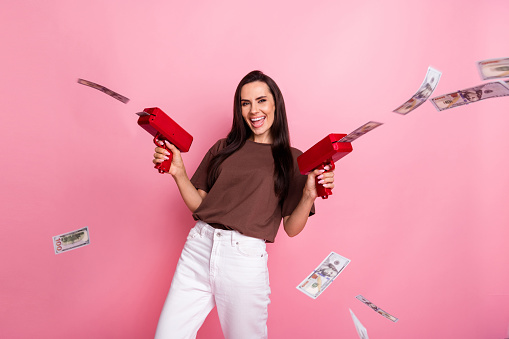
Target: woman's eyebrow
261 97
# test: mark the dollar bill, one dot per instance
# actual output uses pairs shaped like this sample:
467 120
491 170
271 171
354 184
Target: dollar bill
470 95
377 309
369 126
104 90
423 93
323 275
493 68
69 241
361 330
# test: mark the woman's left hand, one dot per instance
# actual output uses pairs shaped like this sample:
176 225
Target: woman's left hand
295 222
325 177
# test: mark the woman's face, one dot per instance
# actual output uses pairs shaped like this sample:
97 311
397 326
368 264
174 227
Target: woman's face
258 109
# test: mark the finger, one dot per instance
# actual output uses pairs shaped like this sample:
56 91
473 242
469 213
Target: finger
173 149
160 156
326 179
325 175
171 146
327 182
162 151
317 172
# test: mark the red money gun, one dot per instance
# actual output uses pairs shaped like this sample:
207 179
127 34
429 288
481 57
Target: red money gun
323 153
162 127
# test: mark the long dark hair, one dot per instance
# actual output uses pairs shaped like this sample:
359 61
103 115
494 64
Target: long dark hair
240 132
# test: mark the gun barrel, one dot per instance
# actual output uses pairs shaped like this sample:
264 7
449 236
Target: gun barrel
158 123
326 149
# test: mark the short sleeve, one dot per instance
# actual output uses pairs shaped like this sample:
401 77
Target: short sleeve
295 190
199 178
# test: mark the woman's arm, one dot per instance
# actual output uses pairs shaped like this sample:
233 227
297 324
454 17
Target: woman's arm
192 197
295 222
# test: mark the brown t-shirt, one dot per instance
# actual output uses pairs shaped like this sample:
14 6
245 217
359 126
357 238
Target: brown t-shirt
243 197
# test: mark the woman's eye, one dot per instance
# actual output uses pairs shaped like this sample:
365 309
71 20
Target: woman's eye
262 100
245 103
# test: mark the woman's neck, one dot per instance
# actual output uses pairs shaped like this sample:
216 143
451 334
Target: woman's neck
261 139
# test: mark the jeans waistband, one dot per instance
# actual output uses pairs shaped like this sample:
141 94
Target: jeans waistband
205 229
220 226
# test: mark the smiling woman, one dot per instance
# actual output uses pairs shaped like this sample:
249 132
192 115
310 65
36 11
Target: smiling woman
245 185
258 110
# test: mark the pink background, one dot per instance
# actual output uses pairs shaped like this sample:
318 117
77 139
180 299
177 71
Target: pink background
420 206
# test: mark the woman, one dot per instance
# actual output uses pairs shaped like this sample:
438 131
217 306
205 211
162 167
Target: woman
242 189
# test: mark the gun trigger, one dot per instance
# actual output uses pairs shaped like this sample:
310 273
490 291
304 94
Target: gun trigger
156 141
330 164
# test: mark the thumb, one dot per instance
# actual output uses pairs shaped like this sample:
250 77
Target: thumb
172 147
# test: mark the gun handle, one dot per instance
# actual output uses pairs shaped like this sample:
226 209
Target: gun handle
322 191
164 166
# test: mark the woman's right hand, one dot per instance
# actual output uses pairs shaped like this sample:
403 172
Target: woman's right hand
161 154
192 197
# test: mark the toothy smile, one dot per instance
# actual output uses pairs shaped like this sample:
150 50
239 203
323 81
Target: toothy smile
257 122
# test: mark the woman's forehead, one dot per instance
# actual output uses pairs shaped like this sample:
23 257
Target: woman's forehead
255 89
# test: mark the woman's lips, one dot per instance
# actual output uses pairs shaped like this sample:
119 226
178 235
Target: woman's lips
257 122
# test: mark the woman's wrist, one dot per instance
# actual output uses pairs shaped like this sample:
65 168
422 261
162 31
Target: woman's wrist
179 175
308 196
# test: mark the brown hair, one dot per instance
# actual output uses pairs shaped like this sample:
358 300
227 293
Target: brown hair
240 132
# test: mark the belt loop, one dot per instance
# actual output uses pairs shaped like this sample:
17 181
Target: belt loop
202 225
233 238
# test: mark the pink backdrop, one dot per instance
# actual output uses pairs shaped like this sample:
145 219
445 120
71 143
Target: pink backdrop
420 206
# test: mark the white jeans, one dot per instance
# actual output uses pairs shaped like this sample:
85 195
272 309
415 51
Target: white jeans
218 268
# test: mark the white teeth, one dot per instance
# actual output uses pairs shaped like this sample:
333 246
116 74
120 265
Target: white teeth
257 119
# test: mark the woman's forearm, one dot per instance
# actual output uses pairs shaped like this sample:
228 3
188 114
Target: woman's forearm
295 222
192 197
